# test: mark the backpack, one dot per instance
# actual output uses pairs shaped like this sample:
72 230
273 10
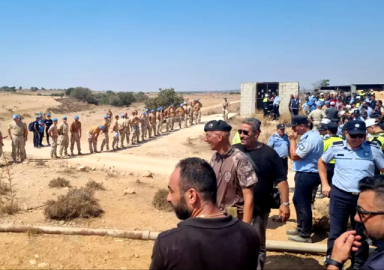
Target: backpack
30 126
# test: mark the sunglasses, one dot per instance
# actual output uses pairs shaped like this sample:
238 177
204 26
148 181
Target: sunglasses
354 136
245 132
363 214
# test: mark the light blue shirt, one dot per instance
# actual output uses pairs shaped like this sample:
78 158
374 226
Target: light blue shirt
309 149
280 145
353 165
276 100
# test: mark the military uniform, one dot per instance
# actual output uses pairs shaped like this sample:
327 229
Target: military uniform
135 129
180 115
105 141
143 123
225 106
1 144
19 134
186 115
63 138
196 111
171 118
115 132
121 128
159 118
92 140
191 114
75 136
316 116
54 134
127 128
152 123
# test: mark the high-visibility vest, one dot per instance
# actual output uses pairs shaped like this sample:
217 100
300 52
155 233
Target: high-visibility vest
236 139
328 143
378 137
265 99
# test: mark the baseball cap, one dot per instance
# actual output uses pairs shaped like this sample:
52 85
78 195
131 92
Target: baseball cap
14 116
123 115
76 117
144 113
48 114
64 118
370 122
217 125
325 121
323 127
355 127
280 126
101 127
298 120
332 103
105 116
54 120
332 127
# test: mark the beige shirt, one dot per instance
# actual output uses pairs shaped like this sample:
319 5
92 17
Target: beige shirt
225 105
17 129
121 124
180 111
63 128
316 115
54 130
127 124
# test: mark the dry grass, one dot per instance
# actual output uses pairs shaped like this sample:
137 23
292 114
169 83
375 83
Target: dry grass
9 208
321 223
4 188
59 182
160 201
77 203
95 185
40 162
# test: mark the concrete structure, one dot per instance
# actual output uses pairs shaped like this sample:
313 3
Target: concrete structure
252 95
354 87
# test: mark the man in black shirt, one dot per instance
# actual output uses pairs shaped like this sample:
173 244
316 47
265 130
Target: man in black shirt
48 124
206 239
332 112
269 169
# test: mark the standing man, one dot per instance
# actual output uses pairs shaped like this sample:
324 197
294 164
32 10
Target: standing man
172 114
280 143
180 115
332 112
193 193
110 115
317 115
355 159
75 135
36 133
121 127
225 108
186 114
166 115
295 104
234 172
152 122
199 112
269 169
266 105
54 134
276 104
135 128
115 132
305 155
93 134
332 132
1 142
191 112
63 130
48 124
105 141
148 124
196 111
143 122
18 134
159 119
127 127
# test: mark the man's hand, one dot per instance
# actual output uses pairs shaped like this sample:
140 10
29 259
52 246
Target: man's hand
284 212
326 190
344 245
292 135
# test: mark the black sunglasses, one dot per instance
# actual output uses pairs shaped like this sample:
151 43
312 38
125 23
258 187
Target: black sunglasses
354 136
245 132
362 213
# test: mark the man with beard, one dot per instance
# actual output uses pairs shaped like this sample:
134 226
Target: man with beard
234 172
370 212
206 238
269 169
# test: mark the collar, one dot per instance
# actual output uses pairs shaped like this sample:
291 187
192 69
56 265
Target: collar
285 135
305 135
226 154
209 223
362 146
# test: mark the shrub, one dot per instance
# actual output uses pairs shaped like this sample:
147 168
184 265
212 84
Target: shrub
115 101
59 182
165 98
94 185
77 203
160 200
80 93
9 208
140 97
126 98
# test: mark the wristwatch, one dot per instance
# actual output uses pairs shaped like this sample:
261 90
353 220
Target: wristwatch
329 261
286 204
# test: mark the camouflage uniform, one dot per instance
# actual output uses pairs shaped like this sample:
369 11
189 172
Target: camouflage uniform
105 141
19 133
63 138
316 116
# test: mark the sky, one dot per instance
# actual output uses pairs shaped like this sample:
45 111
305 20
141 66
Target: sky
190 45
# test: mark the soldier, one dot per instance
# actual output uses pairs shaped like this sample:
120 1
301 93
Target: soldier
143 123
191 113
196 111
171 117
63 137
75 135
135 128
316 116
375 130
127 128
1 142
152 122
105 141
18 135
166 114
180 115
199 112
110 115
115 131
93 133
225 106
53 133
147 123
186 114
159 118
122 127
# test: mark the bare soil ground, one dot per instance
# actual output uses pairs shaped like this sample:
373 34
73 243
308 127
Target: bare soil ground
117 171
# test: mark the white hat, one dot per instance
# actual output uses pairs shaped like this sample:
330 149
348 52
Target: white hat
266 95
332 103
321 94
370 122
342 113
348 106
325 121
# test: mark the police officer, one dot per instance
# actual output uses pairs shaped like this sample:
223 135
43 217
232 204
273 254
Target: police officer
48 124
266 105
280 143
355 159
305 155
375 130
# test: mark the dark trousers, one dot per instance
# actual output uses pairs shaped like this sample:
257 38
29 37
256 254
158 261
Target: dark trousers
342 206
305 183
41 136
330 172
276 113
285 164
259 222
47 135
295 111
36 138
265 108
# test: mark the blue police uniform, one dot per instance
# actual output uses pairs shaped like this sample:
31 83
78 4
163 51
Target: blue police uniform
351 165
281 146
309 149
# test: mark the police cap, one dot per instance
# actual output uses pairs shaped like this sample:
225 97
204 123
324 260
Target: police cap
332 127
217 125
355 127
280 126
323 127
298 120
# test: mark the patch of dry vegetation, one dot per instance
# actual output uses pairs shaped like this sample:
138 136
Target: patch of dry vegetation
95 185
77 203
160 201
59 182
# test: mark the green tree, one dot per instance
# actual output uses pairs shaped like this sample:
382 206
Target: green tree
165 98
81 93
126 98
20 88
68 91
114 100
321 83
140 97
109 92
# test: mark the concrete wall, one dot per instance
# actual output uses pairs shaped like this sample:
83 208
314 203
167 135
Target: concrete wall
248 99
286 89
